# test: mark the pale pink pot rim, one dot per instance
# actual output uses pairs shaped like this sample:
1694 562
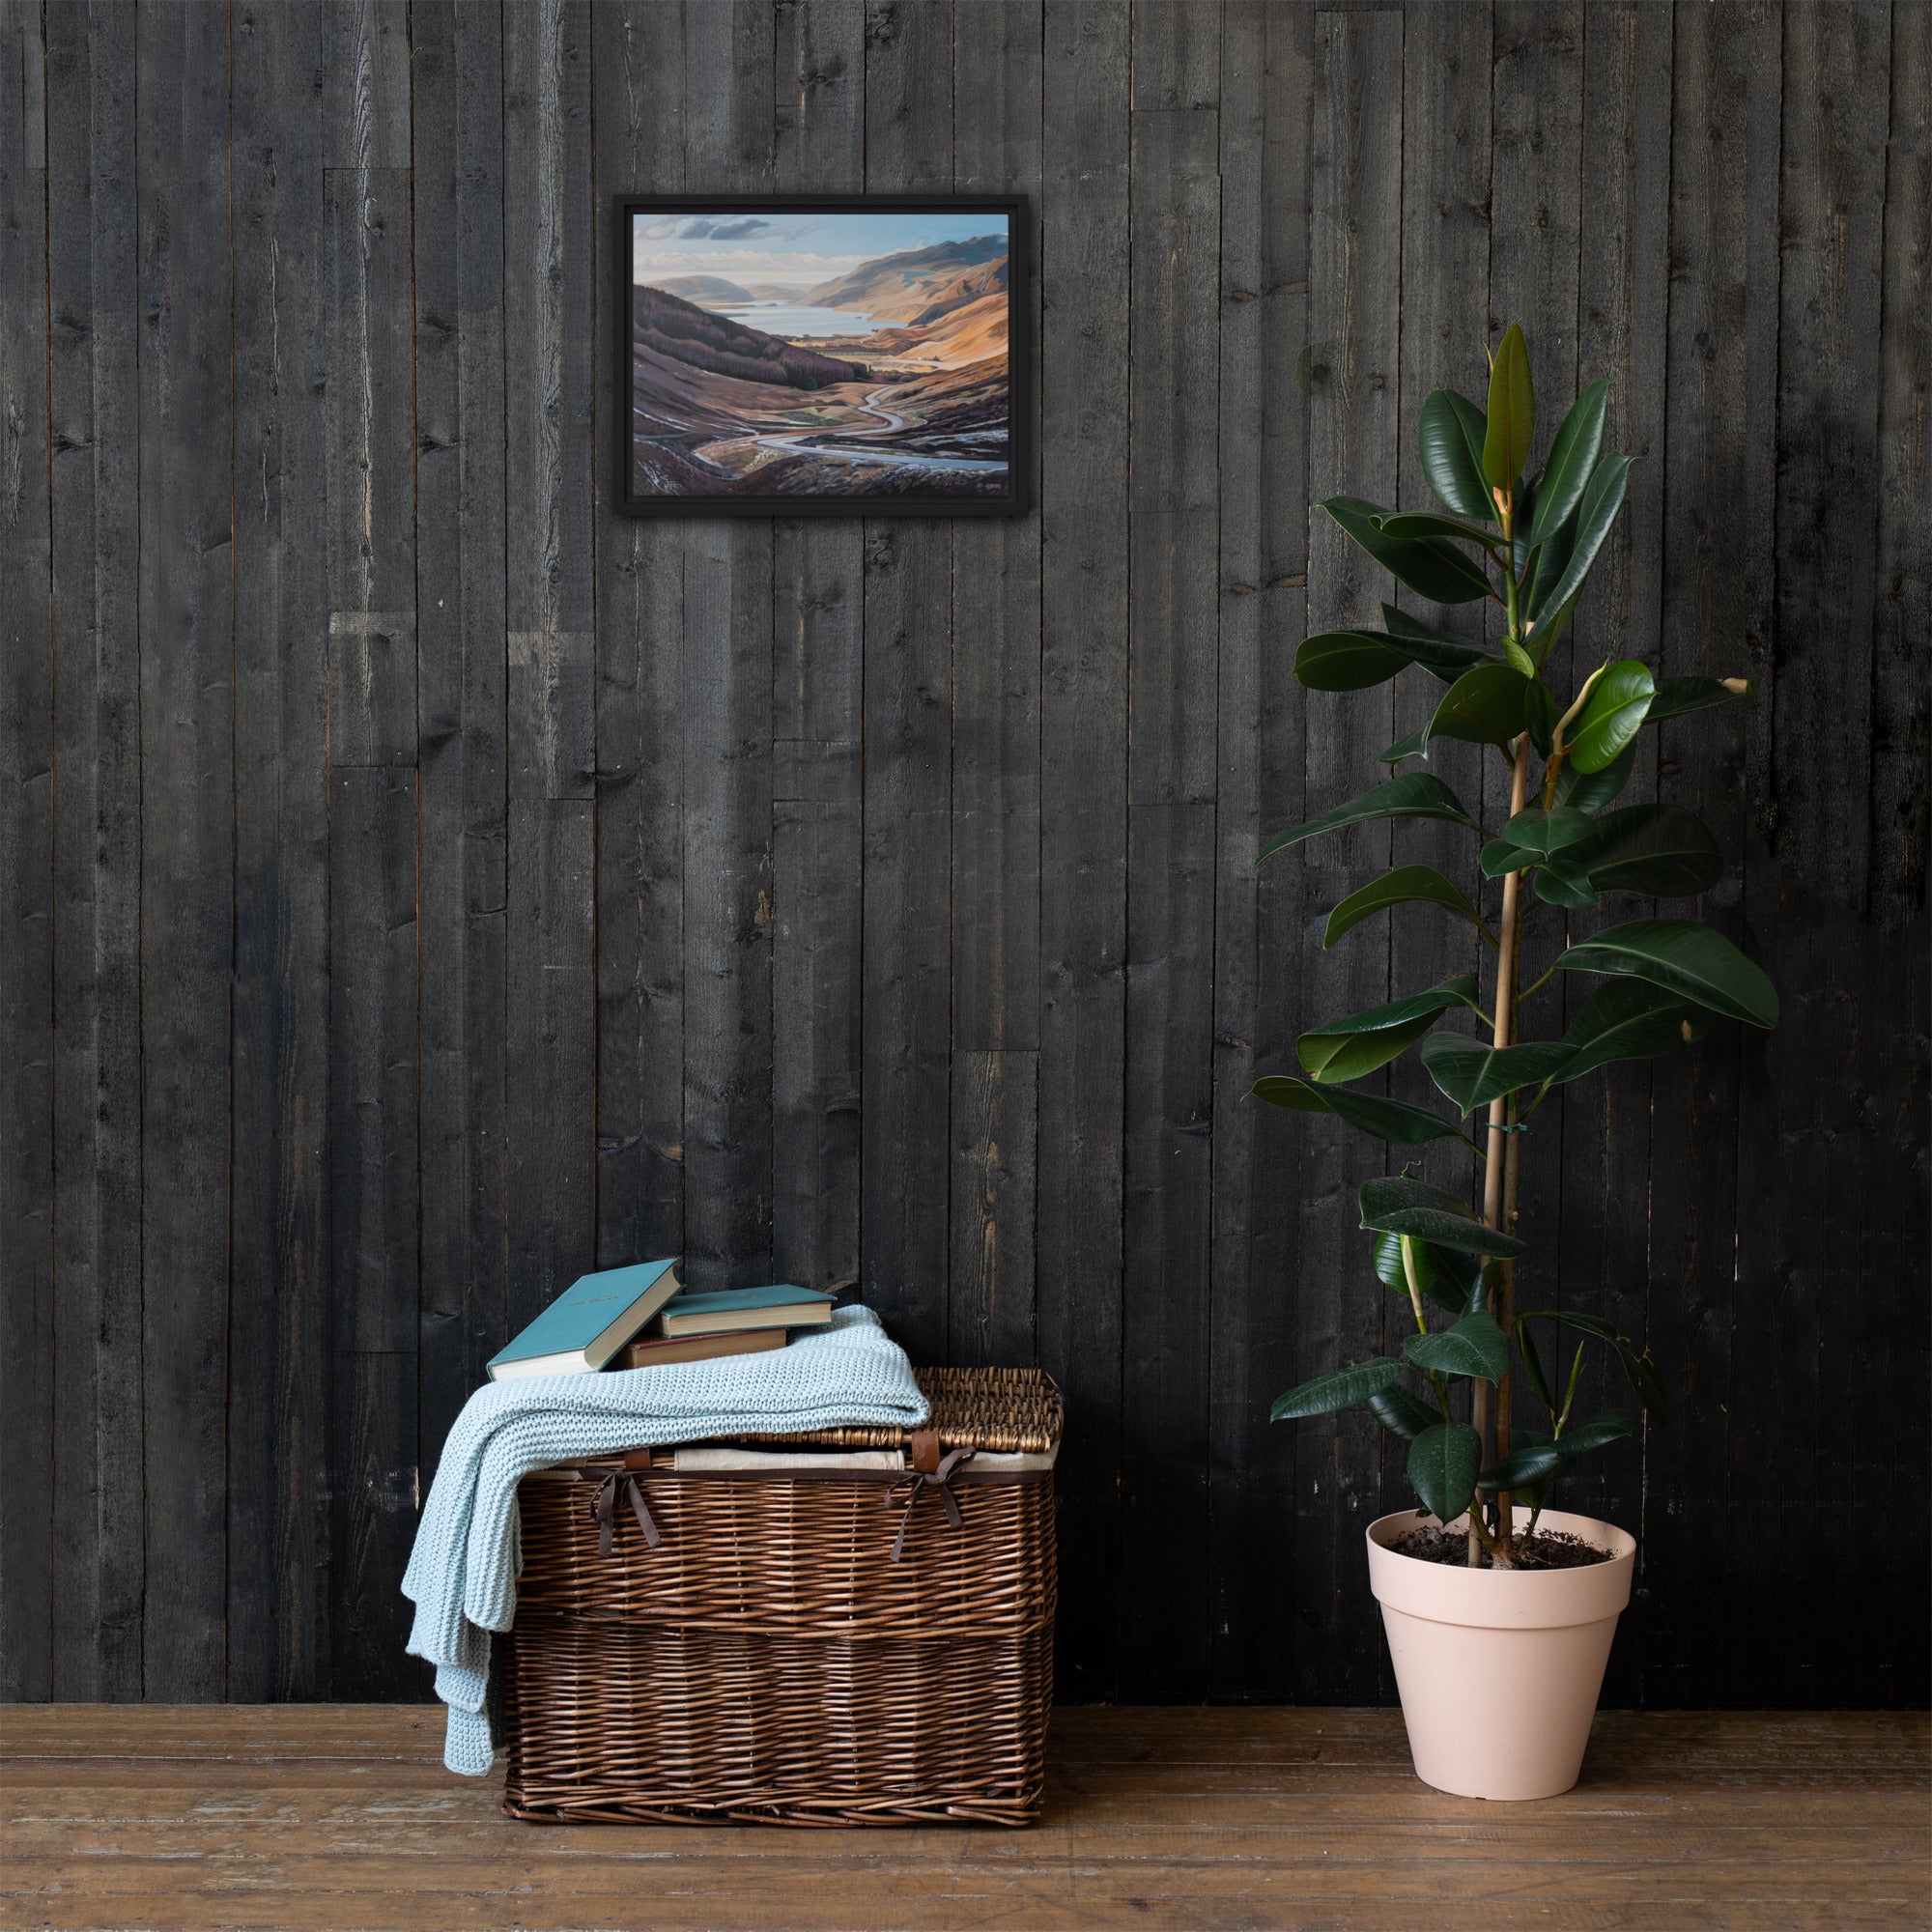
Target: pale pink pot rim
1502 1599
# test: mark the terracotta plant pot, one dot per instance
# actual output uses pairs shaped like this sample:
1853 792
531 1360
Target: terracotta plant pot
1499 1669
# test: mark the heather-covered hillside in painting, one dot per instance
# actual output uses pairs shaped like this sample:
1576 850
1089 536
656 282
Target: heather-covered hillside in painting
819 354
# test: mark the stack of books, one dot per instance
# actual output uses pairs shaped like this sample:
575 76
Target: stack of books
637 1317
734 1322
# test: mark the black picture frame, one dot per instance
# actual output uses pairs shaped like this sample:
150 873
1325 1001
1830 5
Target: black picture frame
1016 500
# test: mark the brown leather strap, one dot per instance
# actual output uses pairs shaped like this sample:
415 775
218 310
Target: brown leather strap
605 1511
916 1485
925 1451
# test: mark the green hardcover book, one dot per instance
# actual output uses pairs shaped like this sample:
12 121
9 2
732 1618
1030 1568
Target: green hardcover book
747 1308
589 1323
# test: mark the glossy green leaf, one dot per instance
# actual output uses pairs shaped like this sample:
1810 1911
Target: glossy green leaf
1484 706
1407 885
1572 456
1442 1464
1684 957
1472 1074
1392 1120
1414 746
1449 1279
1562 881
1639 1370
1521 547
1591 791
1394 1204
1532 1365
1544 631
1451 440
1533 1463
1346 1049
1539 713
1612 716
1435 651
1431 1280
1399 622
1676 696
1475 1346
1413 795
1512 412
1435 570
1533 1493
1348 660
1433 523
1400 1413
1500 857
1659 849
1343 1389
1628 1019
1542 831
1603 498
1552 558
1612 1426
1357 660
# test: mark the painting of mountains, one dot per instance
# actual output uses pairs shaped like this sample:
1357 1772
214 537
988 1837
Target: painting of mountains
786 358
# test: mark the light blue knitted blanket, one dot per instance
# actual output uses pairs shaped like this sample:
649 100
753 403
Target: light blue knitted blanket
463 1571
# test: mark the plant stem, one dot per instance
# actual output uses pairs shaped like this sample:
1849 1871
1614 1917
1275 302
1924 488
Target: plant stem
1414 1287
1505 1316
1499 1159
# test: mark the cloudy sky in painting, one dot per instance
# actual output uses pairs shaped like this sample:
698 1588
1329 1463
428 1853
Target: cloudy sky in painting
786 250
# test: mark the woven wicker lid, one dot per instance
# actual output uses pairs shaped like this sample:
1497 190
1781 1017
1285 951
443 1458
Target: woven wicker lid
1004 1411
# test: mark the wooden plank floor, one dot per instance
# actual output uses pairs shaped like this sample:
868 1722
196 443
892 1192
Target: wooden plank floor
295 1817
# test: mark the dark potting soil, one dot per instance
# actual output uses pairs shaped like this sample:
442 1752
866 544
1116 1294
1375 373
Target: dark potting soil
1546 1550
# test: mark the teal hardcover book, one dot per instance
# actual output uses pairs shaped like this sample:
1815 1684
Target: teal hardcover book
589 1323
780 1307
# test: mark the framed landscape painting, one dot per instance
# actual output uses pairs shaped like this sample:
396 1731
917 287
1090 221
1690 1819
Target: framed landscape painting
800 356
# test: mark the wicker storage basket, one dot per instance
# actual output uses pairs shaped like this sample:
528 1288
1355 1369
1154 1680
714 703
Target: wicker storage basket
848 1647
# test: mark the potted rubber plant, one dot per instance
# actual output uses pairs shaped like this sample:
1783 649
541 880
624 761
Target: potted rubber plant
1499 1611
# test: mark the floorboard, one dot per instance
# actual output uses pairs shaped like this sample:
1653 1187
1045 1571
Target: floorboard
306 1817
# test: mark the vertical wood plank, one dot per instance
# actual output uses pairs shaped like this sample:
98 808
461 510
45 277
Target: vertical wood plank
372 592
550 392
372 562
1266 95
1901 805
463 672
280 1320
187 615
727 752
1831 233
817 726
26 838
904 1151
1718 572
372 1148
1893 1669
1083 346
96 859
1623 285
1356 434
1829 1378
638 73
1172 659
550 1050
1448 54
996 695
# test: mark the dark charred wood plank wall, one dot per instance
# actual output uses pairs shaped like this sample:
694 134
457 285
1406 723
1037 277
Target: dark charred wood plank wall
419 884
